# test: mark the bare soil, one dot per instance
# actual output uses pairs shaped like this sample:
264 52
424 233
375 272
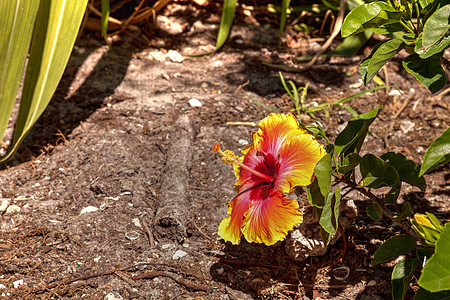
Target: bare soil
112 140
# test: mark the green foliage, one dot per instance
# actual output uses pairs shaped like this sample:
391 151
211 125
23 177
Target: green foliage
437 154
393 247
406 211
436 273
105 16
16 28
375 211
381 54
323 174
408 171
425 37
229 8
376 173
55 29
330 212
350 140
401 276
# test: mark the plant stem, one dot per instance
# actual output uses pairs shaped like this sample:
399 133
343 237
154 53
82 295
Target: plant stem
380 202
419 25
406 26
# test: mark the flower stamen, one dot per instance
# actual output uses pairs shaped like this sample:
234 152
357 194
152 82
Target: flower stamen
230 158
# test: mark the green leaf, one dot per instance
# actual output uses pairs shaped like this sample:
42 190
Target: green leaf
392 196
315 197
406 211
389 29
436 273
437 154
323 174
352 137
401 276
408 170
379 57
425 52
326 237
16 28
284 9
105 16
428 72
349 163
437 27
423 294
56 29
375 211
425 3
369 15
330 212
393 247
343 100
376 173
229 8
352 44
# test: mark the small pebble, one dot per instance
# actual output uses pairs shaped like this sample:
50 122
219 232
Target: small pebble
220 271
395 93
17 283
195 103
166 246
371 283
4 203
12 209
179 254
113 296
243 142
175 56
88 209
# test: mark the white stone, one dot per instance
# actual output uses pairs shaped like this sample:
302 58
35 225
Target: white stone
407 126
179 254
243 142
17 283
12 209
195 103
395 93
4 203
88 209
175 56
113 296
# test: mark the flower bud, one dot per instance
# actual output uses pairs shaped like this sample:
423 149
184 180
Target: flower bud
427 227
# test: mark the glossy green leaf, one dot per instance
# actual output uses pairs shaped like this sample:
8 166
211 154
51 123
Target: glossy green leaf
16 28
436 273
375 211
369 15
229 8
406 211
408 171
105 16
57 25
379 57
425 52
376 173
389 29
283 16
428 72
352 44
393 247
330 212
423 294
326 237
352 137
349 163
323 174
425 3
401 276
315 197
437 27
437 154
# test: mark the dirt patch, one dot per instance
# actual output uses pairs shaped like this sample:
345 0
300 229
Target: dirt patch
92 174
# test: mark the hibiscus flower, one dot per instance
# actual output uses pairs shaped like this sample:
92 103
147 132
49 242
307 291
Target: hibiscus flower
281 156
